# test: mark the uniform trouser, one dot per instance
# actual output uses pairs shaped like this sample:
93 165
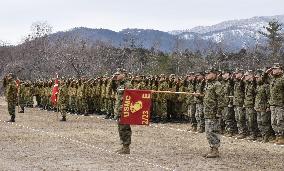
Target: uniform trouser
199 115
72 103
241 119
263 122
63 110
251 120
162 109
11 108
154 109
38 100
109 106
79 105
229 119
85 106
90 104
22 103
171 108
277 119
212 130
184 109
191 113
104 106
124 134
179 109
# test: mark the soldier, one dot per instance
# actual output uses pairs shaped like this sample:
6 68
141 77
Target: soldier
154 82
109 98
238 101
277 102
123 130
198 96
182 100
21 94
162 99
250 91
11 95
212 120
262 106
226 103
172 98
63 99
72 91
191 101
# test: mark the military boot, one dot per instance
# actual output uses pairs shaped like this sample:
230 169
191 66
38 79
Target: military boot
124 150
63 118
107 116
241 136
280 140
201 130
275 140
22 110
265 138
251 137
12 119
213 153
194 128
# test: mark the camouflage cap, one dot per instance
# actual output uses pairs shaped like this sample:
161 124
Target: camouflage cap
276 66
239 70
11 75
249 72
259 73
212 70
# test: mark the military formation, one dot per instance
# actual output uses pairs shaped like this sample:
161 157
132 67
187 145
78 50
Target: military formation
242 104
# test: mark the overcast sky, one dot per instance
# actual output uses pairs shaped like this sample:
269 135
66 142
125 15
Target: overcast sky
16 16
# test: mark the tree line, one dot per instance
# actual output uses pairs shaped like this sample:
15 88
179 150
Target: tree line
40 56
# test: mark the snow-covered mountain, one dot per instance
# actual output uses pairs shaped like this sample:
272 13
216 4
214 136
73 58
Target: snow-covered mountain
230 35
233 34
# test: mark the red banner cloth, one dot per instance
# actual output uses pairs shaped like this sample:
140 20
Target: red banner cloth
136 107
55 91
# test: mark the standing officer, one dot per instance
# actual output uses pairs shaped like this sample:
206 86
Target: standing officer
123 130
212 120
277 102
11 95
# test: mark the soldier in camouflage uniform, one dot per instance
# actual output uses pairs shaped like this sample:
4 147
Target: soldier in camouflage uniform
238 101
277 102
21 94
182 100
154 82
72 92
109 95
11 95
250 92
63 99
191 101
262 105
226 103
172 98
79 97
123 130
162 99
212 120
37 86
198 96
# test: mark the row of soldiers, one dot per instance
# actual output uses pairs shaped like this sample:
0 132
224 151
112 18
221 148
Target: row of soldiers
250 104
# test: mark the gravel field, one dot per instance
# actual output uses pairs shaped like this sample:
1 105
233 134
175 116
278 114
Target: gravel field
38 141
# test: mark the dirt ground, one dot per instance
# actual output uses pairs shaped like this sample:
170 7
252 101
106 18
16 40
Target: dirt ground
38 141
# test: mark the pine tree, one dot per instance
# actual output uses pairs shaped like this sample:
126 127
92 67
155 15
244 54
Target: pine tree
275 39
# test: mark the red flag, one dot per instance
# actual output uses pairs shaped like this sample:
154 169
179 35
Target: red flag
55 91
136 107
